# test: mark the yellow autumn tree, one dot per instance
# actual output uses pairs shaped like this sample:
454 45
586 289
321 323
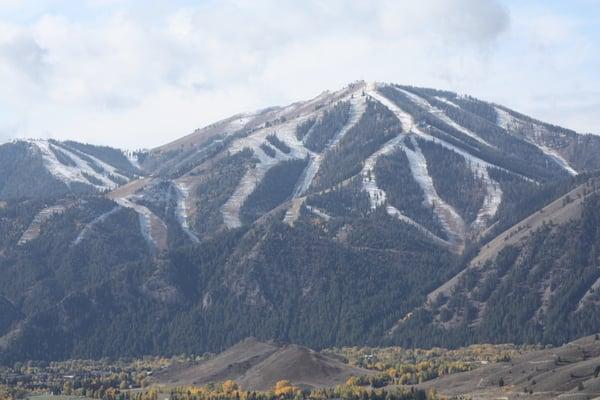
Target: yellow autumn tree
230 386
284 388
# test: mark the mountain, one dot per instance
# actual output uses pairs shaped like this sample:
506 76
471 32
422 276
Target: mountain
366 215
49 168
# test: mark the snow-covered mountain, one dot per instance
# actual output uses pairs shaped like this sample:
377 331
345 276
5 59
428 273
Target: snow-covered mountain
341 137
39 168
358 206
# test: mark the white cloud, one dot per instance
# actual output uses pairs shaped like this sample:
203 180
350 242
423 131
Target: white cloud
130 76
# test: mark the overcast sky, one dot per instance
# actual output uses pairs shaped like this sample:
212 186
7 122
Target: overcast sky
131 74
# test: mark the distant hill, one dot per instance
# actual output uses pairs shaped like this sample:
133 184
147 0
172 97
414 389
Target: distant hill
570 371
259 366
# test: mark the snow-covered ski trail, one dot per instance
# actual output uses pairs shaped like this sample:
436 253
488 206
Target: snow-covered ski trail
358 107
87 230
512 124
78 172
286 133
451 221
441 115
378 196
479 167
182 210
35 227
152 228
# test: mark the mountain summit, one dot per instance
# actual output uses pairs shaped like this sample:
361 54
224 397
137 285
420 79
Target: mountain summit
363 215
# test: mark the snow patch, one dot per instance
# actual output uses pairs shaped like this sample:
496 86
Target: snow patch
441 115
85 232
512 124
406 120
153 229
319 213
451 221
33 231
286 132
231 209
479 167
69 174
394 212
358 107
182 210
377 196
133 158
491 201
557 158
447 101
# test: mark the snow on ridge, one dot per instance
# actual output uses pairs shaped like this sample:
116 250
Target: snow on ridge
105 166
69 174
286 132
512 124
506 121
447 101
358 108
231 209
479 167
451 221
493 196
406 120
240 121
182 211
378 196
557 158
441 114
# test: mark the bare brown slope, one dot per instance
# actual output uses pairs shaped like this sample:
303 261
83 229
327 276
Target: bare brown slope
230 364
564 372
258 366
301 366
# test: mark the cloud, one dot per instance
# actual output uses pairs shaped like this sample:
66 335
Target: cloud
140 74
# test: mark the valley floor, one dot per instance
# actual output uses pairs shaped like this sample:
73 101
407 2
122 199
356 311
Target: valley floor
268 368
